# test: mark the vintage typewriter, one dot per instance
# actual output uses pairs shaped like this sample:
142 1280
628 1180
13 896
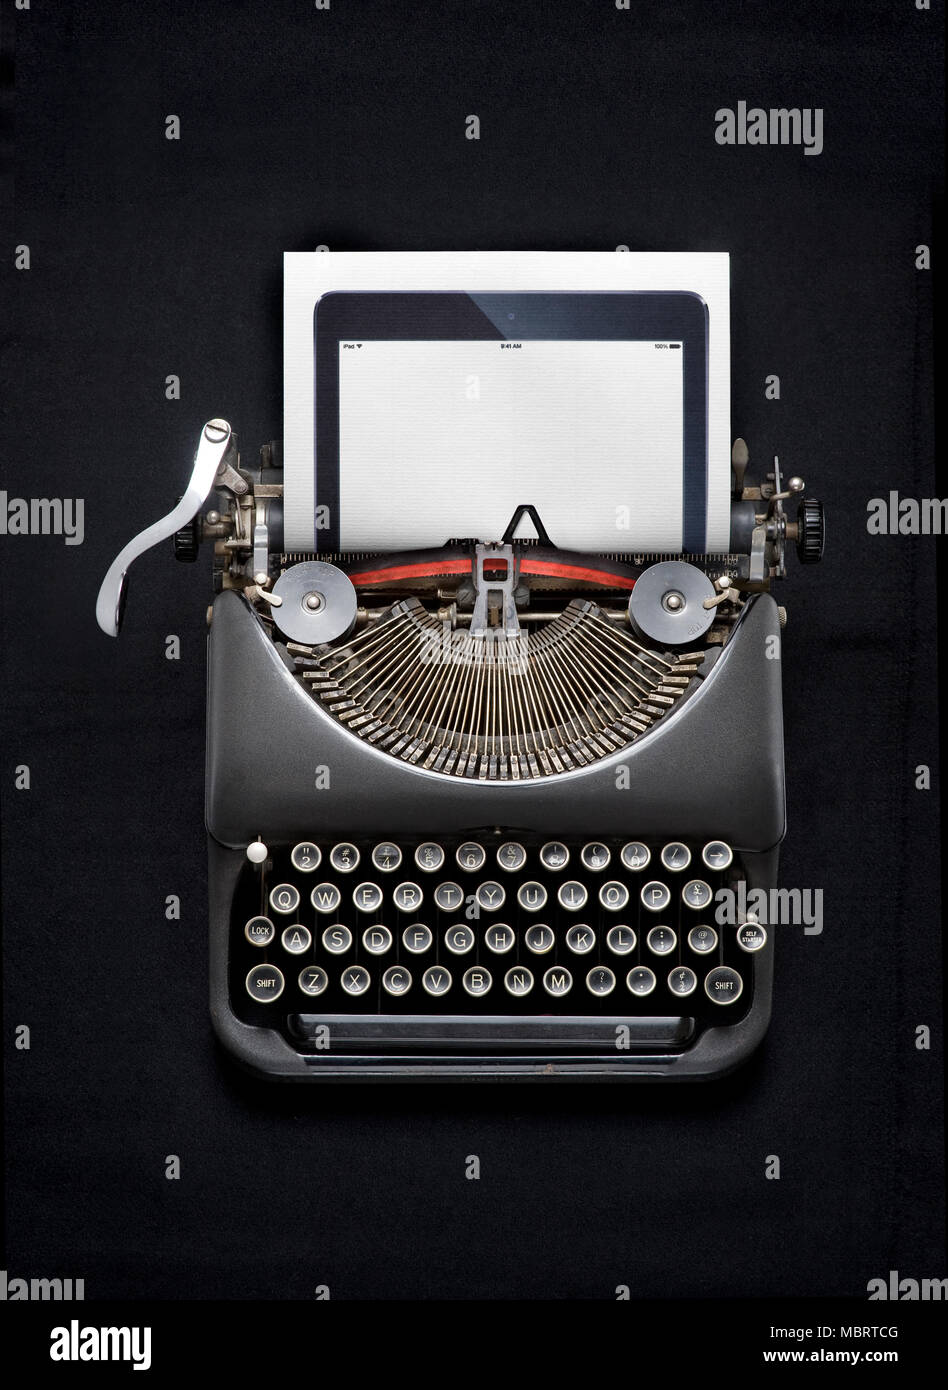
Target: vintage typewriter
471 806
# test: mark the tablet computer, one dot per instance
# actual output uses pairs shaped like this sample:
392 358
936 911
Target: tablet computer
438 415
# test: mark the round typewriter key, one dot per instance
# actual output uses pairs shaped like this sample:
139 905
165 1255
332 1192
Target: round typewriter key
408 897
723 985
417 939
313 980
296 940
259 931
344 858
676 857
717 855
265 983
377 940
337 939
636 856
554 856
682 981
448 896
531 897
539 939
614 896
386 857
595 856
751 937
429 857
557 981
620 940
284 898
306 857
511 856
471 856
396 980
490 897
459 940
702 939
325 897
600 980
356 979
436 980
661 940
518 981
640 980
367 897
580 939
477 981
572 896
696 894
655 897
499 938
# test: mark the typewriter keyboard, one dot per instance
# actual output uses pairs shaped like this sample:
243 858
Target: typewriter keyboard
489 927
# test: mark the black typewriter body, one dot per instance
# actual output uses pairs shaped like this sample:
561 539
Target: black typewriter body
385 936
484 811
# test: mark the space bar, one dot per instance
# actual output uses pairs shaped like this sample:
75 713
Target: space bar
492 1033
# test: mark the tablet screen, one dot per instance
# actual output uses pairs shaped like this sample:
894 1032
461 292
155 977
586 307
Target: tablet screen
434 437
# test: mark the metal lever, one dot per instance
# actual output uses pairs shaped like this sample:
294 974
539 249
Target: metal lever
208 462
498 557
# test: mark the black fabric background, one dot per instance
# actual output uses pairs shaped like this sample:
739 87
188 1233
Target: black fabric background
151 257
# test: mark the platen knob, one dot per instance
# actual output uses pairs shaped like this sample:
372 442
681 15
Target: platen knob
811 531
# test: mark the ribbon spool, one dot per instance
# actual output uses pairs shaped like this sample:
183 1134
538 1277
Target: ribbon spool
319 603
667 604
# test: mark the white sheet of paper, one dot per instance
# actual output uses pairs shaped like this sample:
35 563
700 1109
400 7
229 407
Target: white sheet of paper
588 432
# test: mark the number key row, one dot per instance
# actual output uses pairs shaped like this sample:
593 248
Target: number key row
430 857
